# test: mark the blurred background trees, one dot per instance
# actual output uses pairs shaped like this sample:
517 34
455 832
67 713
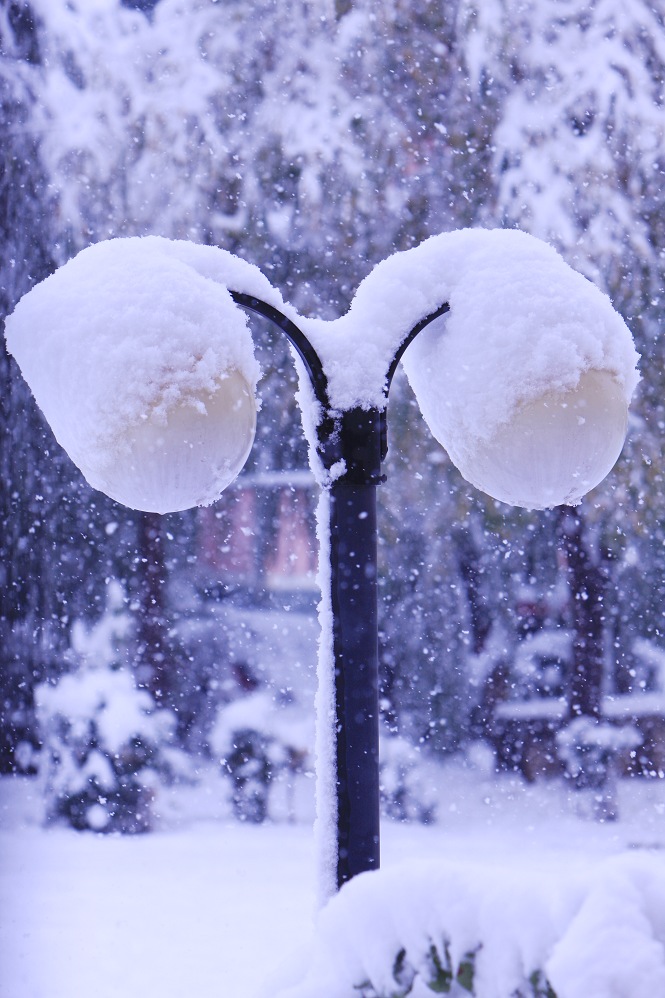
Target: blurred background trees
315 139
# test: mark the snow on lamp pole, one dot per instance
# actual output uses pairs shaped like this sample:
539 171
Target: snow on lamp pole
139 354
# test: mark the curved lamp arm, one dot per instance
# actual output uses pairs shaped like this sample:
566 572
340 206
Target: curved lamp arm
410 337
336 428
296 337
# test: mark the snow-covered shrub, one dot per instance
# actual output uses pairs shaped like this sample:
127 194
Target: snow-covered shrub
476 928
104 643
257 741
106 745
250 766
542 664
104 741
405 795
588 748
103 752
437 972
648 666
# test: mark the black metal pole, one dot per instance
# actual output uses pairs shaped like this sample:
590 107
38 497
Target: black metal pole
353 568
357 437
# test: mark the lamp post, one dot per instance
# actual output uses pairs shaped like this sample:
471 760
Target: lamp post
357 439
166 420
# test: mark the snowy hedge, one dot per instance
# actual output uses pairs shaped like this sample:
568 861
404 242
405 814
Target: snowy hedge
481 929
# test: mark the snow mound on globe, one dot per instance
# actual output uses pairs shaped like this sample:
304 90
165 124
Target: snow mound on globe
128 348
526 382
144 367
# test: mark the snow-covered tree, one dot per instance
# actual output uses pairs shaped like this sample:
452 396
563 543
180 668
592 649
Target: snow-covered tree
106 745
29 604
315 138
577 147
577 161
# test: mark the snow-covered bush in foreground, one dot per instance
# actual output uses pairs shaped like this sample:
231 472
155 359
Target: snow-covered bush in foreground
475 929
103 750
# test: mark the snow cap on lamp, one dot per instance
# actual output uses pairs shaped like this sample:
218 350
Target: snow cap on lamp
145 370
527 381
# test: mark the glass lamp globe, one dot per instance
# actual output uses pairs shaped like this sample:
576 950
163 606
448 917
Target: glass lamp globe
554 449
188 458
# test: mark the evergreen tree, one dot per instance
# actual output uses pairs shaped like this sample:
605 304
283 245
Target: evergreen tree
28 602
577 162
315 139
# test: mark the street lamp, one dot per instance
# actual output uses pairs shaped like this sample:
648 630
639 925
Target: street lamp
138 352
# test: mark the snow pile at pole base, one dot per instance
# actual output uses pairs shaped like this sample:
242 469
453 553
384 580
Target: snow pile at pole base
427 927
128 348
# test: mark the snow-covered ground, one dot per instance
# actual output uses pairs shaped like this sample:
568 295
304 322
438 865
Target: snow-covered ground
207 908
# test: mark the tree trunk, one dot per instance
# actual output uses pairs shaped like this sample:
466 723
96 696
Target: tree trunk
153 659
587 590
469 561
